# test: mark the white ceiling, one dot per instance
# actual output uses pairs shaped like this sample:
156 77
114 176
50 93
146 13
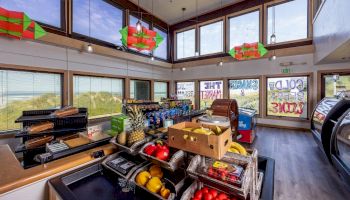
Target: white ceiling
170 11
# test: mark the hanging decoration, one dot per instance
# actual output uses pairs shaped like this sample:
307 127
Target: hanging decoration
248 51
18 25
144 40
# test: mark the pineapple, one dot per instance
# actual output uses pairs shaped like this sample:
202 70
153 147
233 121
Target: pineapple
137 125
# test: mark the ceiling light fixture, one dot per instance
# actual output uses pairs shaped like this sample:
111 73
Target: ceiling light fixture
138 23
273 36
89 47
221 63
196 53
183 69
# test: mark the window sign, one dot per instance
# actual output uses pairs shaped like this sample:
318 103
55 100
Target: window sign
245 92
209 91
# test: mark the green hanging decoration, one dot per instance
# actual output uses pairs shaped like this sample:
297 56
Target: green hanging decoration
248 51
145 40
18 25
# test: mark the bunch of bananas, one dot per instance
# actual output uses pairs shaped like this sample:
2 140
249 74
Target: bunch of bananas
205 131
237 148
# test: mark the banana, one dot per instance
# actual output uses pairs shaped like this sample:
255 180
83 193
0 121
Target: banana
239 147
233 150
204 131
187 129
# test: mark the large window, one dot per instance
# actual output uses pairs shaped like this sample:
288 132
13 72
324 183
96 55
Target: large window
44 11
291 21
335 85
102 96
211 38
106 20
246 93
20 90
162 50
185 44
209 91
140 90
287 97
160 90
186 90
244 29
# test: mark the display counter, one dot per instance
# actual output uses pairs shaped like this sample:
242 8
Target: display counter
14 176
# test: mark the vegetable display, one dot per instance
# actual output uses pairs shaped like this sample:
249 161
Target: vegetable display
248 51
145 40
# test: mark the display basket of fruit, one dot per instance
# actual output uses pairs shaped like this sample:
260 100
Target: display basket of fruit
198 191
162 183
123 164
132 140
207 140
229 174
134 148
158 152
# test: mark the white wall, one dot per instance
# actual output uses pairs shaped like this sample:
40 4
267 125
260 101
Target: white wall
261 67
30 53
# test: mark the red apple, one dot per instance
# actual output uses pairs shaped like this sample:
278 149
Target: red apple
222 196
198 194
208 196
213 192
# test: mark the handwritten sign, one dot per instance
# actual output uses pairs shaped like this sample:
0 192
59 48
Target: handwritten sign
287 96
185 90
245 92
209 91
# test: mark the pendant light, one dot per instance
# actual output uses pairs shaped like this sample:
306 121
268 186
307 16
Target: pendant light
89 47
138 24
273 36
196 53
152 57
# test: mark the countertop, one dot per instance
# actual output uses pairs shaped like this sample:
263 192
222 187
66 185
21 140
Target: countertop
14 176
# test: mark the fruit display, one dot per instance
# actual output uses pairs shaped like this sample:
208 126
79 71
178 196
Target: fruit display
237 148
200 191
159 150
152 181
212 130
137 125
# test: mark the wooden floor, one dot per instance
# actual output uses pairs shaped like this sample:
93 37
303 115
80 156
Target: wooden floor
300 170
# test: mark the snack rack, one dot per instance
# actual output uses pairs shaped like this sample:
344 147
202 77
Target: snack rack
62 127
250 185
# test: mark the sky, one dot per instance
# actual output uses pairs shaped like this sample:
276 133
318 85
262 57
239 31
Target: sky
211 38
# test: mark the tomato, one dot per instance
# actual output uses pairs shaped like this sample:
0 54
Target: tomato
195 198
198 194
213 192
208 196
162 154
222 196
205 190
150 149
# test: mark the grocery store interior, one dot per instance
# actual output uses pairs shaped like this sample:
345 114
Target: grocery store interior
174 99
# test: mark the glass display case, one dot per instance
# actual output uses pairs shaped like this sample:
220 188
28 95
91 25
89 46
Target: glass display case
340 146
324 117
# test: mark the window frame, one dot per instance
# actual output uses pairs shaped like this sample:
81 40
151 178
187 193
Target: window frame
241 13
321 83
97 75
198 36
93 40
175 42
161 81
64 84
308 103
167 41
260 89
309 24
141 79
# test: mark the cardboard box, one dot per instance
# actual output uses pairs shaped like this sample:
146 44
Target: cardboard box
214 146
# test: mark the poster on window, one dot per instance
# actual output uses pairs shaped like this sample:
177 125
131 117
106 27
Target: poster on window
209 91
245 92
287 96
185 90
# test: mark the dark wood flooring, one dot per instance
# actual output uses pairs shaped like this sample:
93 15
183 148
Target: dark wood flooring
301 172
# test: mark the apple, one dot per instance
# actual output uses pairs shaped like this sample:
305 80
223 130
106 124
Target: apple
205 190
